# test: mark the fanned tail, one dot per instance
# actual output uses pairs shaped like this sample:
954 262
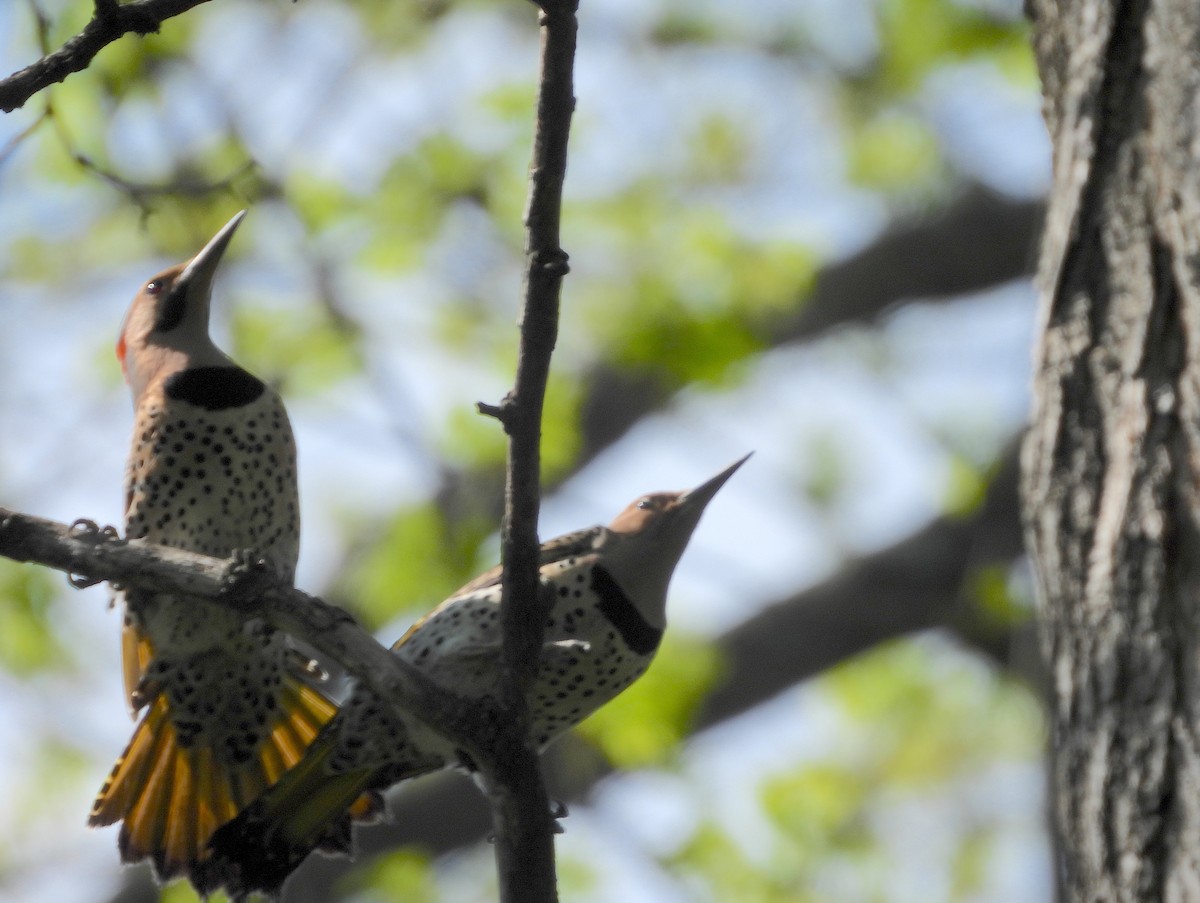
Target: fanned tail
171 798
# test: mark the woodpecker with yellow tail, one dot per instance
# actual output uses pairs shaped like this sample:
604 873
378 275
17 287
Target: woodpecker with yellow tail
609 612
212 470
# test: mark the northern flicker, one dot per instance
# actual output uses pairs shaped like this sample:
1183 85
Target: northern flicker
609 612
212 469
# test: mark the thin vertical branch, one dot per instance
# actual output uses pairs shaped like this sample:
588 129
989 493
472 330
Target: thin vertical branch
524 826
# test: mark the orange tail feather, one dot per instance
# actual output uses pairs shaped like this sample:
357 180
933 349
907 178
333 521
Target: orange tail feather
308 808
171 798
136 655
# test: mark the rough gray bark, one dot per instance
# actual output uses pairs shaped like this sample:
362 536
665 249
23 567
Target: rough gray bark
1111 463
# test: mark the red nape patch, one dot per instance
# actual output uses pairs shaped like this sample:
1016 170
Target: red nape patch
121 352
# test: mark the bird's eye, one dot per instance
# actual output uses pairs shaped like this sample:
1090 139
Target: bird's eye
154 287
645 503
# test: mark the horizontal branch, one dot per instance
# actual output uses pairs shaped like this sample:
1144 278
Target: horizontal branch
110 21
83 550
980 240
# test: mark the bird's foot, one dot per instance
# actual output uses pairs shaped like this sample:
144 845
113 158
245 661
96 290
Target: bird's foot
84 528
246 561
247 570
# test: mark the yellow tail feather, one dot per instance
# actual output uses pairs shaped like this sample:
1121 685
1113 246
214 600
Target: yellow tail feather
307 808
136 655
317 798
173 798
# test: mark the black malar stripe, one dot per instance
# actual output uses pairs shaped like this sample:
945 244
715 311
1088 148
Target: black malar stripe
214 388
638 634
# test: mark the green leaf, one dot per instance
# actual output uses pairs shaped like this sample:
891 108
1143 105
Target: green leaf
698 318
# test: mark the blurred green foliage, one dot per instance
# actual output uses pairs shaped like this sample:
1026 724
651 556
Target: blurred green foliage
418 560
28 600
917 36
991 589
966 485
892 151
914 724
932 716
400 875
645 724
304 347
182 892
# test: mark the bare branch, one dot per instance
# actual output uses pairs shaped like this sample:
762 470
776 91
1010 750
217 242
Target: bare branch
83 549
110 21
524 825
980 240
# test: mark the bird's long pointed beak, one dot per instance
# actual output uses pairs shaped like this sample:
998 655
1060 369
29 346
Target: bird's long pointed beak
699 497
200 269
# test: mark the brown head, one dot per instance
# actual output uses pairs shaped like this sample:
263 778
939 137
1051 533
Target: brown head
648 538
166 328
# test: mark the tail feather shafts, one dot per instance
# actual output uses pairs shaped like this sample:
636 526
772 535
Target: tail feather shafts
172 798
309 808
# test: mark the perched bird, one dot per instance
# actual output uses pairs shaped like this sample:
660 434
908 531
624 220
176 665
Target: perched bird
608 616
212 470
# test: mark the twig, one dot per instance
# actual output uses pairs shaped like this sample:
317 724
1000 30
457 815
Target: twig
143 194
110 21
13 143
524 825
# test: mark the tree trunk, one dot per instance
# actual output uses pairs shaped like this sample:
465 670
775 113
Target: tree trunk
1111 462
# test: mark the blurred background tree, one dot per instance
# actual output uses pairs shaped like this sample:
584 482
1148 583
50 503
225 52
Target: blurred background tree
804 229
